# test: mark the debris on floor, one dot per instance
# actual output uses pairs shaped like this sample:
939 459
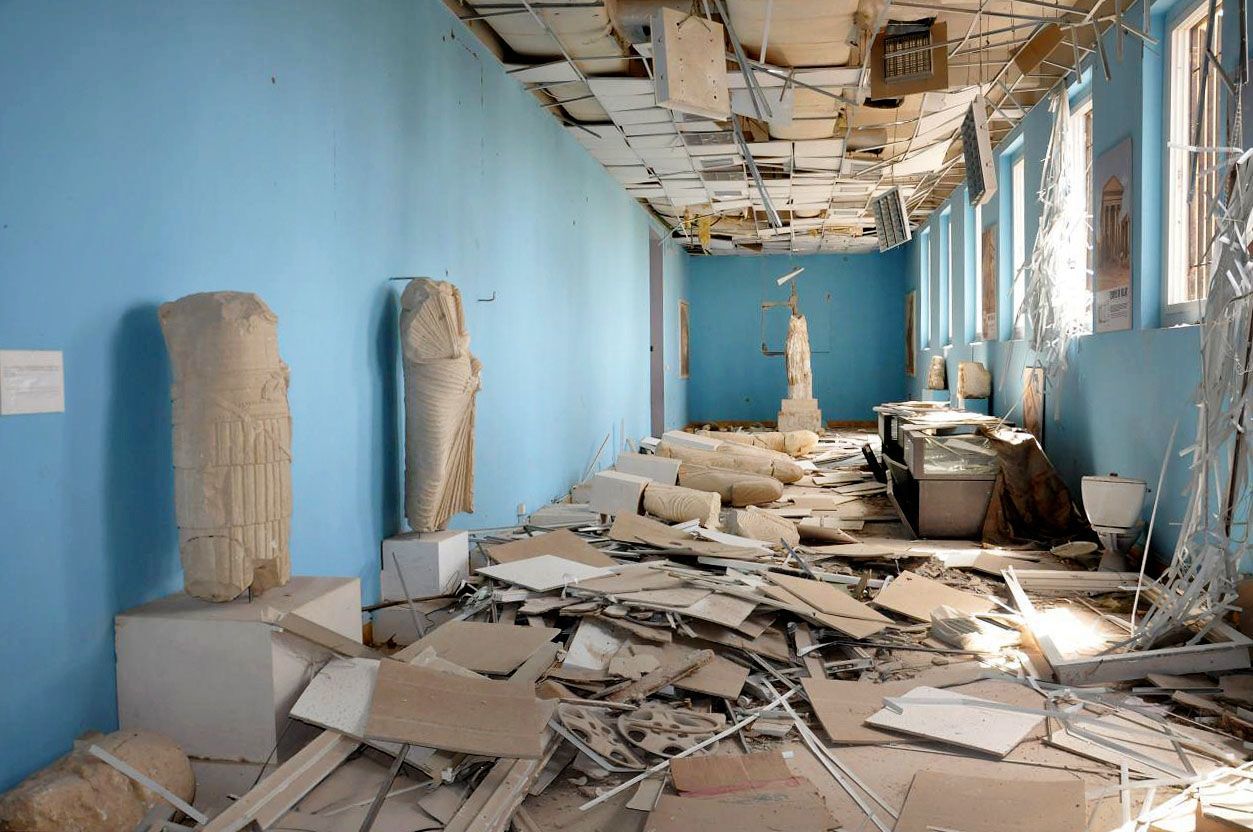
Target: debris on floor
804 663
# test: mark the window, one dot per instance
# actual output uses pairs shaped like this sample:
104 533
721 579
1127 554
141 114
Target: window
945 287
924 289
1190 226
1077 286
974 292
1018 227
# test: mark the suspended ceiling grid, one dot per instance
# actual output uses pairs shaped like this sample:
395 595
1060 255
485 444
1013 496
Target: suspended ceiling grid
822 153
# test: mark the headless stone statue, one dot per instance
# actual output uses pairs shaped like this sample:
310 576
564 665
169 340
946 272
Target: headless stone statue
441 382
799 411
232 443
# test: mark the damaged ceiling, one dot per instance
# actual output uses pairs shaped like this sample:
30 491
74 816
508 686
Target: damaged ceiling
806 147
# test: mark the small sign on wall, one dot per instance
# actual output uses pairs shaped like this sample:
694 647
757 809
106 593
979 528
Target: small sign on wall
31 381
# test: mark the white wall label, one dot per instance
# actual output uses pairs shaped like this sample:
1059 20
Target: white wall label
31 381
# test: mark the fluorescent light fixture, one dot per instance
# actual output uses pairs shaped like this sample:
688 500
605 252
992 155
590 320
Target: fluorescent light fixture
793 273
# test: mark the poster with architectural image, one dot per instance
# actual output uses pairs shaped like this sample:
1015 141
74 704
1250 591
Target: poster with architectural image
987 284
1111 179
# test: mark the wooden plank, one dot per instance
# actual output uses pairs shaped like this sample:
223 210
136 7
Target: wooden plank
441 710
270 799
490 806
300 626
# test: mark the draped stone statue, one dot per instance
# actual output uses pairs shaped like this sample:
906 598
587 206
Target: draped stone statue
799 411
232 443
441 382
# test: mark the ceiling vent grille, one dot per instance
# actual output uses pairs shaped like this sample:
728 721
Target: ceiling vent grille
977 148
909 58
906 57
890 221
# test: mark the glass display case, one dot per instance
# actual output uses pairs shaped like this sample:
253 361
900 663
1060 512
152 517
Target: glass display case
940 468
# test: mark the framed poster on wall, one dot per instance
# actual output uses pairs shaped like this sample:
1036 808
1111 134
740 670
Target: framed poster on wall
910 332
987 284
1111 191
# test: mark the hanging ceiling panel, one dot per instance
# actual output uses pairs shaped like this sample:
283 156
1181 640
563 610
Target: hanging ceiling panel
804 145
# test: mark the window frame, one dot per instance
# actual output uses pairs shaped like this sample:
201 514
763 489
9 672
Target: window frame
924 289
1082 110
1177 208
944 288
1017 244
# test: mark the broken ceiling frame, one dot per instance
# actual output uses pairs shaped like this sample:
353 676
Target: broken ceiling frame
809 192
1200 584
1052 313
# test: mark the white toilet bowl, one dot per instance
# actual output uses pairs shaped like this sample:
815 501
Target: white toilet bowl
1113 505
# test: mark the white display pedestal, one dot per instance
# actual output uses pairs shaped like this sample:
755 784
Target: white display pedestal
220 679
433 563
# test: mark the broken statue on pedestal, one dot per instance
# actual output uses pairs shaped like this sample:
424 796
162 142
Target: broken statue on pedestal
441 382
799 411
232 443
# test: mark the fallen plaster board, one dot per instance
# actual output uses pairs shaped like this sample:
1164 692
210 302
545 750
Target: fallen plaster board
480 646
563 543
441 710
797 809
914 596
1231 653
543 572
938 800
338 699
965 723
856 627
829 599
843 707
719 773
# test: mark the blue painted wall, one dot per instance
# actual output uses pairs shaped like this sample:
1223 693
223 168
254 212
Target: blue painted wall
1124 391
674 273
305 151
855 307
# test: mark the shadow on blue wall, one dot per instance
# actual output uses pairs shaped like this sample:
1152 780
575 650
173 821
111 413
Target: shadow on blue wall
138 488
388 462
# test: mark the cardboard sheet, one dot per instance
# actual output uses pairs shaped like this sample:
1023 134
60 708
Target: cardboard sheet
482 647
843 707
442 710
914 596
988 804
722 773
855 627
562 543
830 599
963 723
797 809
